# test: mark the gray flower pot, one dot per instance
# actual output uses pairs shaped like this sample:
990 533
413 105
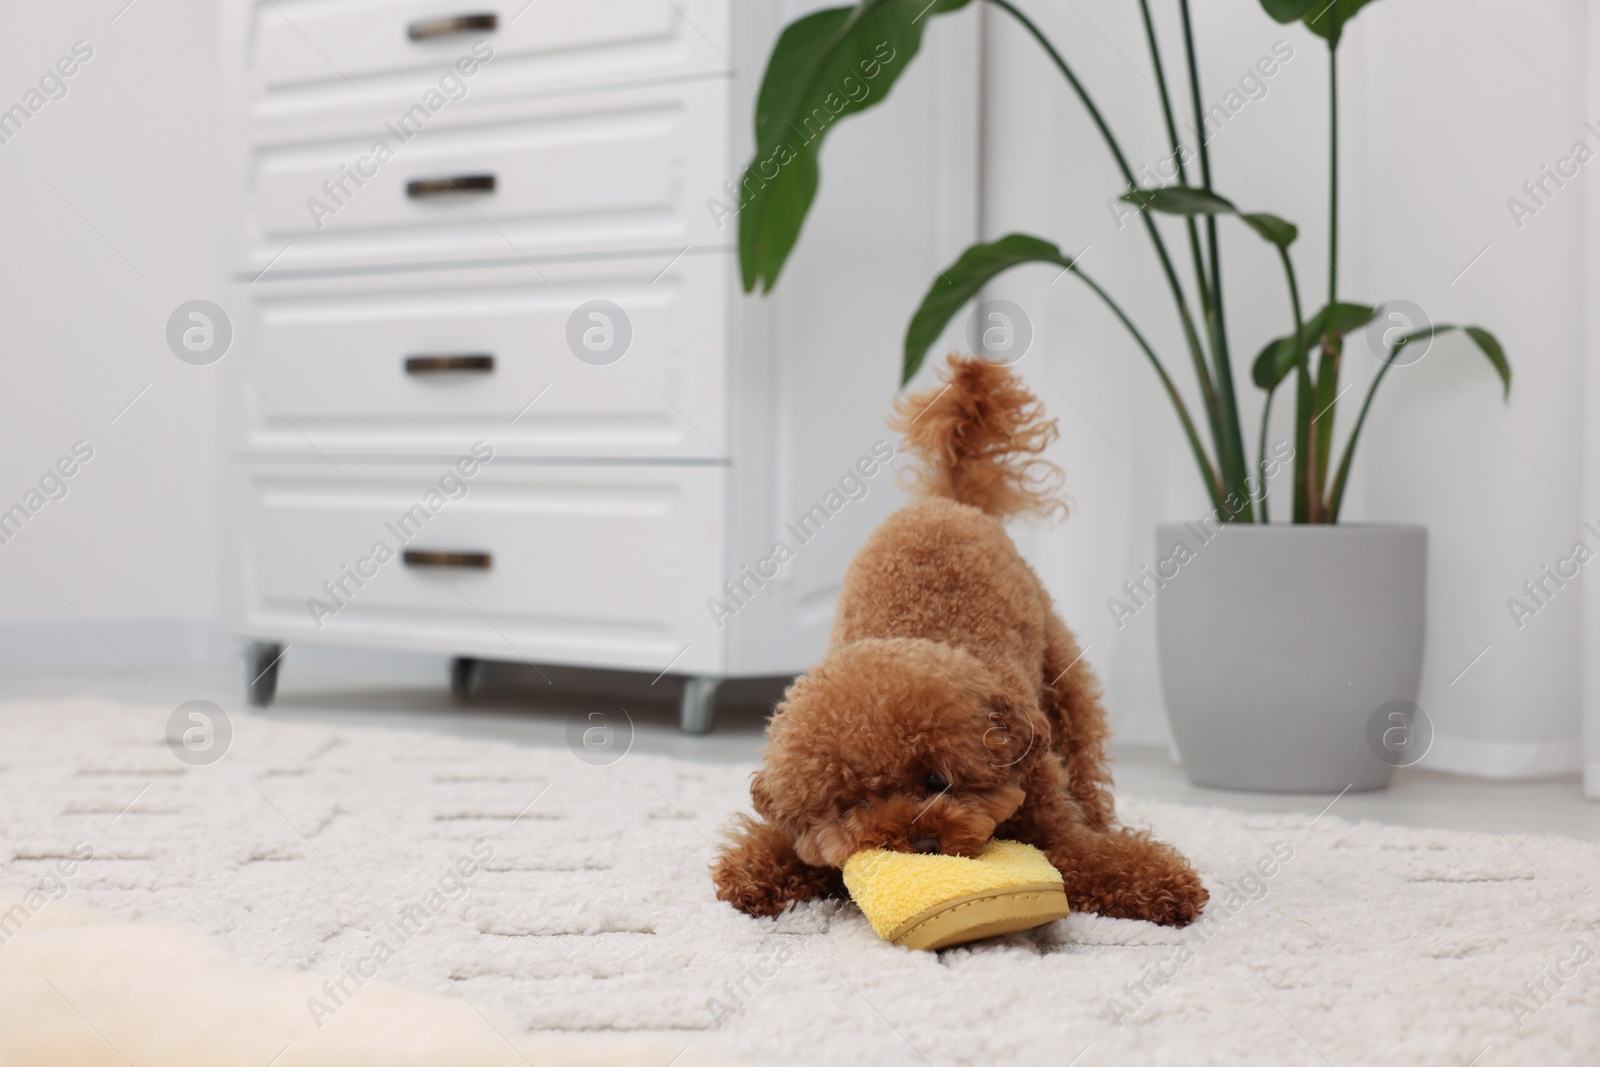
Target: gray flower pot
1285 649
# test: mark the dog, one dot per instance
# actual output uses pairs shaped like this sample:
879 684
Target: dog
952 705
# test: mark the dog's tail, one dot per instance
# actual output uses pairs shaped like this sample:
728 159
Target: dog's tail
979 436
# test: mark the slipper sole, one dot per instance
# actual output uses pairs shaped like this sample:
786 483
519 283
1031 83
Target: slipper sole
978 915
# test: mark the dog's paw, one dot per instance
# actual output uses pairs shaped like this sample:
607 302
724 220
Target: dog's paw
1178 907
761 901
1169 898
1163 889
758 872
1162 907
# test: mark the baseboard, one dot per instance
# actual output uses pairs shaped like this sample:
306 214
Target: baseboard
1591 780
1506 759
73 644
76 644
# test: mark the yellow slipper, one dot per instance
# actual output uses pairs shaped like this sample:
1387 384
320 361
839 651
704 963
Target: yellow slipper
930 902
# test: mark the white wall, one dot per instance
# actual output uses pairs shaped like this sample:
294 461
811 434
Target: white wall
90 271
1498 486
1447 109
1591 401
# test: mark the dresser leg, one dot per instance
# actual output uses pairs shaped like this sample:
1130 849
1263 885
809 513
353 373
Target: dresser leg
261 661
463 675
698 709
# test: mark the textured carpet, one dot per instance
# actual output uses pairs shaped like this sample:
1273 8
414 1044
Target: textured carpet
568 897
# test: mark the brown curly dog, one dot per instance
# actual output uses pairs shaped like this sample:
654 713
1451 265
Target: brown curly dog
951 706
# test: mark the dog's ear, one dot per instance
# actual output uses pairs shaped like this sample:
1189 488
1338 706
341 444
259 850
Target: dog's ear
1016 729
759 796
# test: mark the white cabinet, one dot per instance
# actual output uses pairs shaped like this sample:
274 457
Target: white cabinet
505 229
529 562
296 50
599 173
425 363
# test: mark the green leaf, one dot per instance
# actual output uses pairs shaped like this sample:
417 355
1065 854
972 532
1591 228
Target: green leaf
1179 200
799 49
1424 334
1344 319
1279 357
961 282
1327 18
1487 343
1280 232
1186 200
1497 355
1274 363
1289 10
825 66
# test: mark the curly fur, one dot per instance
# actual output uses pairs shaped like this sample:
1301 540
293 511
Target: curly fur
979 438
946 659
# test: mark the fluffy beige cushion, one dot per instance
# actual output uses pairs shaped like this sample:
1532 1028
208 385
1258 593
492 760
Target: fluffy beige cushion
77 989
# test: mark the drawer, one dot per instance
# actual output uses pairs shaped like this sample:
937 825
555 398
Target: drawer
606 173
425 364
339 53
601 566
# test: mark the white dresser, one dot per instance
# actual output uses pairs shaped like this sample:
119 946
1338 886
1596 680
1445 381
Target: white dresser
484 289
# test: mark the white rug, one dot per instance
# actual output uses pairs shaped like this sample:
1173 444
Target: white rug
592 910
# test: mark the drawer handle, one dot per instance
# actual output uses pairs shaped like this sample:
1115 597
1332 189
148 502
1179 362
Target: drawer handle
418 188
449 364
427 29
478 561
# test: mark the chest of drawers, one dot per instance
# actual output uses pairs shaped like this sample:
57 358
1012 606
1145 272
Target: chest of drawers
495 391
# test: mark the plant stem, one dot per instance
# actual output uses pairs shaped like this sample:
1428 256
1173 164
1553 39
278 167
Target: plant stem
1213 484
1190 334
1193 229
1230 447
1302 408
1299 348
1161 87
1305 460
1333 170
1261 452
1327 398
1325 393
1177 151
1336 495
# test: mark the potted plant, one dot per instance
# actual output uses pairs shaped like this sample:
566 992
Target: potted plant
1291 653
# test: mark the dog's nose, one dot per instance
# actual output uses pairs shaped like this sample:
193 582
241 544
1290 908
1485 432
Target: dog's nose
928 845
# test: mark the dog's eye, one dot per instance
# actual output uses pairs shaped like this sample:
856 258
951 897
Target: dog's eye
935 782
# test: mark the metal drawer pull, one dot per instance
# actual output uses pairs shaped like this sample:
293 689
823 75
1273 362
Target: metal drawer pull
478 561
449 364
418 188
425 29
